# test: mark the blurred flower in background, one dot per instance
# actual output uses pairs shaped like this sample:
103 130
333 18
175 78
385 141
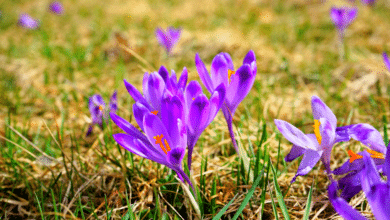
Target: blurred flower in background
28 22
169 38
386 60
99 113
56 7
342 18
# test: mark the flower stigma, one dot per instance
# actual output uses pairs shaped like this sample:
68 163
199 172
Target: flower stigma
154 112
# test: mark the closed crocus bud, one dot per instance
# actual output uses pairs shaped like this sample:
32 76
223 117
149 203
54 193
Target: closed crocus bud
56 7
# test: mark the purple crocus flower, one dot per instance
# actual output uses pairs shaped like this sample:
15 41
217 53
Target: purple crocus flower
377 191
238 82
168 38
28 22
369 136
198 111
165 137
315 146
99 113
386 60
56 7
342 18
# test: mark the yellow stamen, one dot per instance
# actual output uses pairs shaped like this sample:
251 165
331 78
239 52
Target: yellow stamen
159 141
317 130
154 112
230 73
353 156
193 98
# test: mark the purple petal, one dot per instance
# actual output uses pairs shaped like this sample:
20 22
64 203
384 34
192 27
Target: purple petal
171 111
295 136
137 96
347 167
240 85
154 90
203 73
327 141
216 102
350 185
250 59
295 152
386 165
341 206
309 160
386 60
174 34
140 148
183 79
229 61
164 73
28 22
139 111
127 127
199 111
376 191
193 90
175 156
114 102
154 128
163 39
321 110
364 133
219 71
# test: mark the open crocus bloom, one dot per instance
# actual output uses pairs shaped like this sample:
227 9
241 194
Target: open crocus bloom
197 112
315 146
376 190
169 38
97 108
369 136
165 137
238 82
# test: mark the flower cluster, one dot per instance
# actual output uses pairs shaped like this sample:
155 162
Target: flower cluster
173 114
361 169
99 111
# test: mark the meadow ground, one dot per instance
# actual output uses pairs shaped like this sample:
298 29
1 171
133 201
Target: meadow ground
49 169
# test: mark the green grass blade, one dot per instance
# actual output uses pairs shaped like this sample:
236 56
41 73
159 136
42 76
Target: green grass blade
308 203
223 210
248 195
279 195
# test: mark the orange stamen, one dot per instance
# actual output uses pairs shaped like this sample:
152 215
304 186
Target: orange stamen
100 107
317 130
230 73
167 145
375 154
353 156
154 112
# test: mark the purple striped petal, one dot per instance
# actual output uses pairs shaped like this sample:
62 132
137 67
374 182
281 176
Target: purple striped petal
137 96
321 110
219 71
203 73
295 152
127 127
341 206
386 61
309 160
183 79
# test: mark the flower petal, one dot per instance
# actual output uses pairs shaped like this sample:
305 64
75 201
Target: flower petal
321 110
154 128
139 111
154 90
216 102
114 102
295 152
240 85
295 136
309 160
137 96
350 185
127 127
386 60
341 206
219 71
183 79
364 133
250 59
203 73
